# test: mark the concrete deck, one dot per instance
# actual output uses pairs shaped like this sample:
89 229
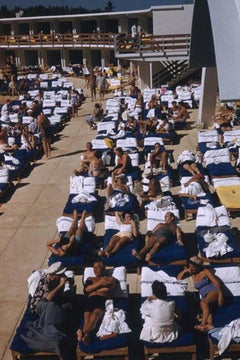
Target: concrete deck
27 219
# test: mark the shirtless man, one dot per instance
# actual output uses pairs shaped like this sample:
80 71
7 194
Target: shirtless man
162 235
158 157
86 159
97 289
124 163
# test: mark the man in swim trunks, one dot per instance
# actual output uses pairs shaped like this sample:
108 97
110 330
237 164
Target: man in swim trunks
162 235
97 289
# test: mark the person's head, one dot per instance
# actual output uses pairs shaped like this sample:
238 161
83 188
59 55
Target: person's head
195 264
55 271
169 217
159 290
98 154
98 268
127 216
89 145
118 151
25 128
157 146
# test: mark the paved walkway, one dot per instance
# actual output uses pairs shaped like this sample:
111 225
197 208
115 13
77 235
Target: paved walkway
28 219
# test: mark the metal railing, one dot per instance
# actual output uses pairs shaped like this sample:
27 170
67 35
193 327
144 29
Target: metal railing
162 45
58 40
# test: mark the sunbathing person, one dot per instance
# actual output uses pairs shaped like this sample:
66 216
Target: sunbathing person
97 290
195 187
187 160
162 235
117 184
70 243
52 301
124 162
159 315
96 166
158 158
49 287
209 289
182 113
86 158
128 230
154 188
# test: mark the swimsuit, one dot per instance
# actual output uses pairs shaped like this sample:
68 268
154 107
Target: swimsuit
165 233
204 286
94 302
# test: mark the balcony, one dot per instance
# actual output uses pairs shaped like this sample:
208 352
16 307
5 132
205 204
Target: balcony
170 47
58 41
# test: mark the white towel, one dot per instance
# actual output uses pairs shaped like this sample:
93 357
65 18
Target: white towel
113 321
218 246
229 332
83 197
34 279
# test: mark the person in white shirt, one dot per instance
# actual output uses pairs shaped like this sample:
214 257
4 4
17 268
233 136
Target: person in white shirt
159 316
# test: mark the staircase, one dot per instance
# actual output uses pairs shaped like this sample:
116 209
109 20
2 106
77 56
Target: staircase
172 73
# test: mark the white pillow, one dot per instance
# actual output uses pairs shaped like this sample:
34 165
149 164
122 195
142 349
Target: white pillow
111 222
206 216
230 275
174 287
222 216
118 273
156 217
64 223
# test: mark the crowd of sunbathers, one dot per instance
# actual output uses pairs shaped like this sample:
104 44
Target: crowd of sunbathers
54 288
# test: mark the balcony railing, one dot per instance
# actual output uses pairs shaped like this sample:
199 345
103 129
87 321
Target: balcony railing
161 45
155 45
58 40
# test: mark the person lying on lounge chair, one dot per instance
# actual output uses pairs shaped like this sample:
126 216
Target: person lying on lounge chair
128 230
71 242
162 235
97 290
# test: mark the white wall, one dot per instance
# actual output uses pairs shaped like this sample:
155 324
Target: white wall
172 20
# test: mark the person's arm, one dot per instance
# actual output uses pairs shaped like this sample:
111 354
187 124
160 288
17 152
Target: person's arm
107 282
184 274
179 235
118 217
215 281
124 164
51 294
55 251
135 228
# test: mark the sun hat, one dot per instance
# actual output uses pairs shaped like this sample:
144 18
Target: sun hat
195 260
56 268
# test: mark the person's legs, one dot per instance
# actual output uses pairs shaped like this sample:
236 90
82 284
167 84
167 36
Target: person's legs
205 303
124 240
149 243
46 148
188 168
195 168
90 322
160 242
81 227
111 245
73 227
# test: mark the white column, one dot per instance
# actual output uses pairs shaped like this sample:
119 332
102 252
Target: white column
144 74
207 103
